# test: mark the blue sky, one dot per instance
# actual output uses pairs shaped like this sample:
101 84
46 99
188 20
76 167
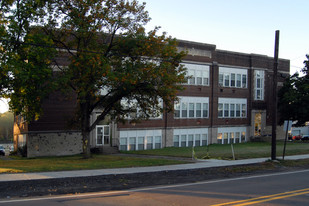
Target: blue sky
237 25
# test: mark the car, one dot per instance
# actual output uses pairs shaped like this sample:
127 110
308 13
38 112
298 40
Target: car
297 137
2 151
305 137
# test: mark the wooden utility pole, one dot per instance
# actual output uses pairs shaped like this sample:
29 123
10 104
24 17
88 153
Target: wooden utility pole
274 100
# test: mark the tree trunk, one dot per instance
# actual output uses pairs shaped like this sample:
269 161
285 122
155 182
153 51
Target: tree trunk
85 127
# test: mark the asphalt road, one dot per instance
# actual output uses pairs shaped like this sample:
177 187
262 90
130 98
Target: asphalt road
288 188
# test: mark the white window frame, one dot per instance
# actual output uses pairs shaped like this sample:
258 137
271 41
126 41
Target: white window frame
182 108
259 78
134 104
237 105
197 72
233 77
233 134
190 134
124 138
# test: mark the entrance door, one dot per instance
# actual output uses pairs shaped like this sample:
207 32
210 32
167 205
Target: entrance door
257 124
102 135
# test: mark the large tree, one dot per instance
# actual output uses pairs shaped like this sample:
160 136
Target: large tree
294 97
113 64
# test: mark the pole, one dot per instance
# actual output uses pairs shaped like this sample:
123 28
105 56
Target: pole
286 137
274 109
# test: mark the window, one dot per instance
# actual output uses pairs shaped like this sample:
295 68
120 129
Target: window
220 110
233 77
219 138
141 143
190 137
138 112
184 109
259 85
233 80
140 139
197 74
238 81
176 140
123 144
177 110
190 140
197 140
132 143
149 142
228 135
192 107
198 110
157 142
183 140
232 108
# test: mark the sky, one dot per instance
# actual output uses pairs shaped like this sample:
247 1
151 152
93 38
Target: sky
236 25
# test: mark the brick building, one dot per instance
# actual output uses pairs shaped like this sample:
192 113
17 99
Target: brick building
228 99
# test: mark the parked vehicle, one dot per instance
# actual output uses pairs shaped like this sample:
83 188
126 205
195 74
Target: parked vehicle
297 137
2 151
305 137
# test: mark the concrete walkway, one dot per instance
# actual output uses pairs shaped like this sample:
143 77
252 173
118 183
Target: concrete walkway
84 173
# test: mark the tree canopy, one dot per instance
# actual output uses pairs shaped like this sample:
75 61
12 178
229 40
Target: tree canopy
110 59
294 97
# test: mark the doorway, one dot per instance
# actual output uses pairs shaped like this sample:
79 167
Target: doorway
257 124
103 135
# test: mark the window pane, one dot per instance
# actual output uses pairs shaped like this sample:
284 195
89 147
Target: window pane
132 142
190 140
219 138
205 110
237 110
220 110
177 110
183 140
226 110
176 140
238 80
184 109
243 110
199 80
221 79
191 109
244 81
197 140
140 142
198 109
232 110
226 80
204 139
233 80
206 80
149 142
157 142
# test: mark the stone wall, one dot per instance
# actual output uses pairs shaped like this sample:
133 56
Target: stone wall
54 144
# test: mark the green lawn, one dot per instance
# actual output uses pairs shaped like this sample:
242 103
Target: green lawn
18 164
241 151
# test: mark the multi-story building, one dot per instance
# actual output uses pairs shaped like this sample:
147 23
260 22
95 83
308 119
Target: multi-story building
228 99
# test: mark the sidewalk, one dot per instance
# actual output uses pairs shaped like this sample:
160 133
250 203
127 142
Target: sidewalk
85 173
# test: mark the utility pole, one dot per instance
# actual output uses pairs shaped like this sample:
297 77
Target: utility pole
274 100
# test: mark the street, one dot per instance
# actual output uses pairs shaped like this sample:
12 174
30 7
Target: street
289 188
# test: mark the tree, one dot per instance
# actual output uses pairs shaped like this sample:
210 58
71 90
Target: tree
294 97
111 58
